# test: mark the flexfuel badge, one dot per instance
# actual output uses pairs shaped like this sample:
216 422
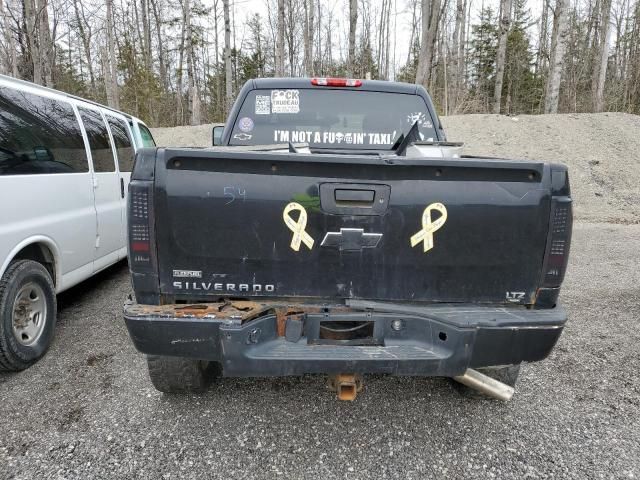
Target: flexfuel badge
429 226
298 228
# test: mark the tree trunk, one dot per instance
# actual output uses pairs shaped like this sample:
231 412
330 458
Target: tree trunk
558 47
193 97
45 41
454 59
9 65
31 27
218 106
189 54
430 19
462 50
309 14
179 98
505 22
146 34
600 71
280 40
410 52
85 38
353 22
541 54
111 77
159 39
227 55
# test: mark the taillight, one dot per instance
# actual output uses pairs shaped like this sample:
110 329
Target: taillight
140 221
557 255
336 82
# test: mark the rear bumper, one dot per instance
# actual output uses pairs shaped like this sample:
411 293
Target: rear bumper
442 340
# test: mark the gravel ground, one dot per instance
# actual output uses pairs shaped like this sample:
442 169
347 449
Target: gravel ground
88 410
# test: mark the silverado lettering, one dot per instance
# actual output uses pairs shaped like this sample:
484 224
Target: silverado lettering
229 287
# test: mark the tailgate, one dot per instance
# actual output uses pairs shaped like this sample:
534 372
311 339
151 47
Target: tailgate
349 227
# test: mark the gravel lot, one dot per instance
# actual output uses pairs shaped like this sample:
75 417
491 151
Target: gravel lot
88 410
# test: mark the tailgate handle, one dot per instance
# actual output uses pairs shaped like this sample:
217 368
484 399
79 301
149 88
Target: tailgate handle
354 198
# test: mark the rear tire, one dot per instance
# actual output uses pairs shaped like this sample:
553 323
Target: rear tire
180 375
27 314
506 374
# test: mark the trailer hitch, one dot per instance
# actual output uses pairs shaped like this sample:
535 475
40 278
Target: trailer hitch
346 385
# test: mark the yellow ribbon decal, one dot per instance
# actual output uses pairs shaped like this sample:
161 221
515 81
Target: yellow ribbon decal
299 234
428 227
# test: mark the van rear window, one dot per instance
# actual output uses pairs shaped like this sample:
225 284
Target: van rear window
39 135
330 118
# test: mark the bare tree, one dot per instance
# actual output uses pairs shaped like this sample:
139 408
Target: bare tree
162 66
505 23
227 56
9 65
192 85
280 41
111 78
454 59
309 14
146 34
84 30
179 98
558 47
601 60
353 23
46 47
430 21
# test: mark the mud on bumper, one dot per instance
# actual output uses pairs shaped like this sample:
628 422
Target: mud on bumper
260 339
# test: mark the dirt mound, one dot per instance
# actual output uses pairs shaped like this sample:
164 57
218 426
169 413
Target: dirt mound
198 136
601 150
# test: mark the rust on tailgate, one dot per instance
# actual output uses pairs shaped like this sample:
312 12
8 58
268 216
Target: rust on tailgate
239 310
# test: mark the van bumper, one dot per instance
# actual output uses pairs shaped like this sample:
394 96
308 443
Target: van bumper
251 339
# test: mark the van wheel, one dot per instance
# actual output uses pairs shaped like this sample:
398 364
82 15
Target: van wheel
507 375
27 314
180 375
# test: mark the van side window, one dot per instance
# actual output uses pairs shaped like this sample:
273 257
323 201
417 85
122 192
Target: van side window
39 135
124 147
101 152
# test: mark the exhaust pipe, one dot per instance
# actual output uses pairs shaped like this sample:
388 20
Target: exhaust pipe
346 385
485 384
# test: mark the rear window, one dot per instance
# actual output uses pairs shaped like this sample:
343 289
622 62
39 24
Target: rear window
329 118
124 147
39 135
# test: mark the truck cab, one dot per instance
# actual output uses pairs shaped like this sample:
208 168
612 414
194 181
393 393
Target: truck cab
329 114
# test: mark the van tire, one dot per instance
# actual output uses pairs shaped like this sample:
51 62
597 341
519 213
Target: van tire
179 375
506 374
15 354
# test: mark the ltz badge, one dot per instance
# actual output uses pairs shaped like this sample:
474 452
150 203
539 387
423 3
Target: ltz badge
429 226
298 228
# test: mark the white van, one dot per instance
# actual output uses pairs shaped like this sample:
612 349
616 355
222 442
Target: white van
65 165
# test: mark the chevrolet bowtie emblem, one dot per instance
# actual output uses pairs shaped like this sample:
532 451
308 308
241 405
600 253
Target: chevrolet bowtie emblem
351 239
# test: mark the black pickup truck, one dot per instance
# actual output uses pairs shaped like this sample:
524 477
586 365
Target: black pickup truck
352 258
